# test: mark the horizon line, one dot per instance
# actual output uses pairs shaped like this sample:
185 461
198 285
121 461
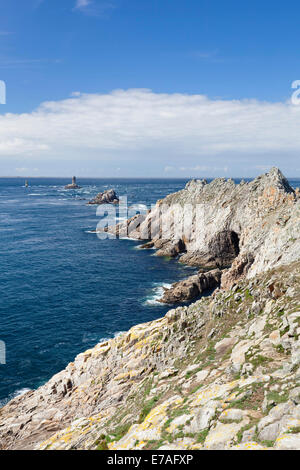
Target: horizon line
142 177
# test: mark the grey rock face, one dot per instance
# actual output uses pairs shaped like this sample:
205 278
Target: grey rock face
249 227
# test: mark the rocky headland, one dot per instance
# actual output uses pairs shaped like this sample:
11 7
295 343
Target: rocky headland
221 373
243 229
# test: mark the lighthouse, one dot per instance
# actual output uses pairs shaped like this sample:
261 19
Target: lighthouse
73 185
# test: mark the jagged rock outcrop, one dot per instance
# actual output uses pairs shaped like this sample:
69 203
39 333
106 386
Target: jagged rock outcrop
107 197
222 373
252 226
192 287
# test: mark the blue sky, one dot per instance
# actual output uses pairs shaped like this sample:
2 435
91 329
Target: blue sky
83 50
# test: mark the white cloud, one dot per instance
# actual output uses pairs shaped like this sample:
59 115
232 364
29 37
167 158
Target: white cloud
82 3
98 8
190 132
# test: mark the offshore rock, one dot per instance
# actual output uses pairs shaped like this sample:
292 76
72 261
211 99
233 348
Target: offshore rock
107 197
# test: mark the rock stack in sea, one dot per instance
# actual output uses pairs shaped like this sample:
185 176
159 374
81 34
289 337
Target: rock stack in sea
107 197
73 185
221 373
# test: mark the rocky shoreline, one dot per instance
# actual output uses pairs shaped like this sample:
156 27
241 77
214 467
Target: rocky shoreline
221 373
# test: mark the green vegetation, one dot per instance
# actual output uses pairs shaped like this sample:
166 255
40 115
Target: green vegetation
275 397
294 430
147 408
120 431
201 436
268 443
259 360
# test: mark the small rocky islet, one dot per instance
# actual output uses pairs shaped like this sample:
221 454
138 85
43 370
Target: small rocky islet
73 185
106 197
221 373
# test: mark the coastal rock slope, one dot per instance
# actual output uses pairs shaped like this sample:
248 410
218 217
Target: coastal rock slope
222 373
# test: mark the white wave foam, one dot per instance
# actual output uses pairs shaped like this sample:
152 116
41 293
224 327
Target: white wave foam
17 393
130 239
140 247
22 391
118 333
157 293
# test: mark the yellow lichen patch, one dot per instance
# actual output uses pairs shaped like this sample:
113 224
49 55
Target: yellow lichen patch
229 399
211 392
135 373
180 420
197 446
287 441
56 438
122 376
250 446
184 443
149 429
292 423
222 435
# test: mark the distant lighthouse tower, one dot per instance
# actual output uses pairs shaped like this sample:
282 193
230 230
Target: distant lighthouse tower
74 184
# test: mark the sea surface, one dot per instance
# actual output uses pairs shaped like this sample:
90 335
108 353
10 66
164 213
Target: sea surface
62 289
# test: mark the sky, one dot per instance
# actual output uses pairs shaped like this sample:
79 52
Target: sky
157 88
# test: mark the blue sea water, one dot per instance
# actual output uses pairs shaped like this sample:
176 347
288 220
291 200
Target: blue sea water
62 289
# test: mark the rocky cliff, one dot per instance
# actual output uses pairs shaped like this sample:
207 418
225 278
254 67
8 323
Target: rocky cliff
249 227
222 373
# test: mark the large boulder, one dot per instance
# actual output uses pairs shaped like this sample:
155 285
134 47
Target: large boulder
192 287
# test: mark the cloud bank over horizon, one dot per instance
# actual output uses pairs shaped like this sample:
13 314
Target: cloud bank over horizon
142 133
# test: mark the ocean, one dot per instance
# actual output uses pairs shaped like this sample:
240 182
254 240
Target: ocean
63 289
